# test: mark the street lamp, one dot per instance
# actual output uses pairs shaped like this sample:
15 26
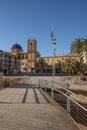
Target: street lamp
53 51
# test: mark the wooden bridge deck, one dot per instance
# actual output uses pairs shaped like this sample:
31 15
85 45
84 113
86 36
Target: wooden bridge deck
31 109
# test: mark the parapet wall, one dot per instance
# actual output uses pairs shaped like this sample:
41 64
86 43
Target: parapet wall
1 79
10 82
13 82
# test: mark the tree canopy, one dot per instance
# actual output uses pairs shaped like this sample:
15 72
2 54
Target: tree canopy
79 47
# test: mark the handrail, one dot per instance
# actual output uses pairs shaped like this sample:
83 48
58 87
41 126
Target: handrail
71 93
76 85
52 86
82 98
71 99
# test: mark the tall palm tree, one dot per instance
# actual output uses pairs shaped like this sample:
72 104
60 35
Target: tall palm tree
85 49
68 65
76 66
41 63
77 46
77 49
58 66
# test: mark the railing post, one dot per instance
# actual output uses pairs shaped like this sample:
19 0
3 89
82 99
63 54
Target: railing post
52 92
42 83
45 86
39 83
68 100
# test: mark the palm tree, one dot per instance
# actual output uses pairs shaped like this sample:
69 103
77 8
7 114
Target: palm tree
77 49
76 66
68 65
58 67
77 46
85 49
41 65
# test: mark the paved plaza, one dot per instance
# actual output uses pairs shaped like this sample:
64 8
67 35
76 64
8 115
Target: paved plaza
26 108
22 95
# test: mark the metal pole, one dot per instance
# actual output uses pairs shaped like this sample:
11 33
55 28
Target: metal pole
39 83
53 52
45 85
53 62
52 91
68 100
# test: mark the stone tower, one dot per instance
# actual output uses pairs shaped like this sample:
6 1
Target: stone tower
32 49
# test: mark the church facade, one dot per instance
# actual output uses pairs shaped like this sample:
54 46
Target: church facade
17 61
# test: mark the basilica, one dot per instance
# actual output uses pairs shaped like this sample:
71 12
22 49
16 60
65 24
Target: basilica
17 61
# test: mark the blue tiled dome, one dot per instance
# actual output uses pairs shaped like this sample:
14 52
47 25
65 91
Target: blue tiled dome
17 46
1 51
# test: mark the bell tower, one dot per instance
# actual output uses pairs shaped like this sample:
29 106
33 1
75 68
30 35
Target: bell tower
32 49
32 46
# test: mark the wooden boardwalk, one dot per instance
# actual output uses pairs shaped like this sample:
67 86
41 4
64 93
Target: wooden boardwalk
31 109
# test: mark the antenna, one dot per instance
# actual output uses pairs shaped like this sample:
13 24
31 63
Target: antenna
52 28
53 49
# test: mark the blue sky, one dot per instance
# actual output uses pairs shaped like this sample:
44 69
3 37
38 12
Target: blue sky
24 19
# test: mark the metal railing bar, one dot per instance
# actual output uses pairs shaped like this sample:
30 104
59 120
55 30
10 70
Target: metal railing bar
72 100
78 87
67 95
71 92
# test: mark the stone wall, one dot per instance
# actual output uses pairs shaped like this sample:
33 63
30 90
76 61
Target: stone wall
1 79
10 82
13 82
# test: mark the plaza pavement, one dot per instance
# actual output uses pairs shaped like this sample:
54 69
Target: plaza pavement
26 108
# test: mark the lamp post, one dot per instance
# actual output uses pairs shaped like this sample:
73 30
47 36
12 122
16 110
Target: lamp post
53 51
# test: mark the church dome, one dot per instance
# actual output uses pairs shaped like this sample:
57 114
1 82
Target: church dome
1 51
17 46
